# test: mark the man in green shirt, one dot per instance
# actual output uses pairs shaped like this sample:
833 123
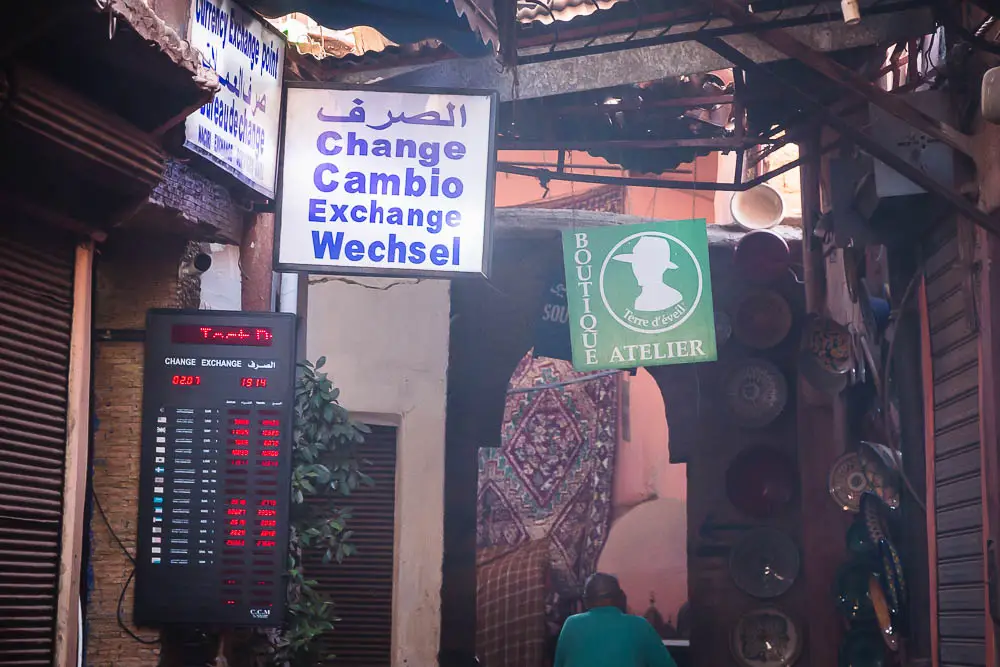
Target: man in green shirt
605 636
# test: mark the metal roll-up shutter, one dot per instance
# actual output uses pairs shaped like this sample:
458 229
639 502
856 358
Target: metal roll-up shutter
361 586
957 457
36 304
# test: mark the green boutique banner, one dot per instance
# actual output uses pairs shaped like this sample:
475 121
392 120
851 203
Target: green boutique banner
639 295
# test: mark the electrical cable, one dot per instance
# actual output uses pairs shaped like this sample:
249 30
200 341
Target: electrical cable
121 620
100 509
121 597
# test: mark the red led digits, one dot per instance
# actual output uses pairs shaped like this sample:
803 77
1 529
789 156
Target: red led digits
240 452
236 543
270 422
195 334
270 523
270 443
240 431
241 422
268 452
269 503
268 463
268 533
239 462
232 511
266 543
237 532
237 522
186 380
270 433
239 442
237 501
267 513
253 383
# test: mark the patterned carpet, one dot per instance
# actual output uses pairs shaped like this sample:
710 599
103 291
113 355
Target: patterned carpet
551 476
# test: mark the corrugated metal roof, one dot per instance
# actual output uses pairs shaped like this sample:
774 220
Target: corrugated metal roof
320 52
311 68
482 19
549 11
309 37
402 21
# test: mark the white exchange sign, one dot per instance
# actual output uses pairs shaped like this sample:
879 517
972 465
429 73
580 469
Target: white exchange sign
386 182
238 129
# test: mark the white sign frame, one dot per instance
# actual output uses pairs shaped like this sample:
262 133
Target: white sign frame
284 264
199 126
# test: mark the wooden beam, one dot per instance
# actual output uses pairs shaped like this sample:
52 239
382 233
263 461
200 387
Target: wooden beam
181 116
812 251
77 461
844 77
818 444
990 6
256 260
49 216
868 144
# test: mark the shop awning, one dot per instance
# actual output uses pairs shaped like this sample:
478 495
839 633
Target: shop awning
466 26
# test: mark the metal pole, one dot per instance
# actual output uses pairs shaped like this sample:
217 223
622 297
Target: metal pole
667 184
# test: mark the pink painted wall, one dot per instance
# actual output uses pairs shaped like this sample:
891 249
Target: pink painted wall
653 203
647 544
647 551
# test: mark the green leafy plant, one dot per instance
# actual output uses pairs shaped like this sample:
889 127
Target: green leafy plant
326 470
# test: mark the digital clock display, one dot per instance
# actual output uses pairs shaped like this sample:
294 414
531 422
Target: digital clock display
186 380
253 382
203 334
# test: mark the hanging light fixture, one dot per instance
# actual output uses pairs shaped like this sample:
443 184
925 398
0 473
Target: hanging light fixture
851 11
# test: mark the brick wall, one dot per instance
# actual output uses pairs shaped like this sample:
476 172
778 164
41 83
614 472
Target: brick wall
133 274
186 202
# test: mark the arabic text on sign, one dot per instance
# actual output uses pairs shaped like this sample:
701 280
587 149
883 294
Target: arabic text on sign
357 115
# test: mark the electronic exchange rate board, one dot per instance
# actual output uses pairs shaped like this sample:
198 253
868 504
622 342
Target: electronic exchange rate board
216 468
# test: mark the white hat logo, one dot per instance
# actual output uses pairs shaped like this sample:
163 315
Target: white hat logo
650 260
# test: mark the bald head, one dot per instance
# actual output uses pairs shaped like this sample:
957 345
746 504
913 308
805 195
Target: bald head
602 590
